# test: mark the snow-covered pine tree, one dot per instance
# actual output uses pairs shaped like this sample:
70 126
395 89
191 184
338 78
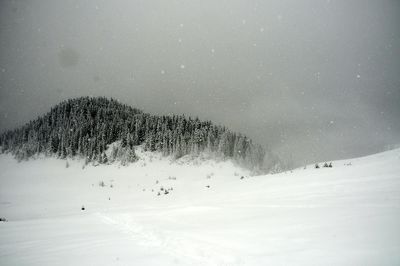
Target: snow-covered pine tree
86 126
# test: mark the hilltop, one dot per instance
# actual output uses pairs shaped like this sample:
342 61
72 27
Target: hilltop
87 127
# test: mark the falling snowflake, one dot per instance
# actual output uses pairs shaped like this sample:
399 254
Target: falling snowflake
182 66
162 72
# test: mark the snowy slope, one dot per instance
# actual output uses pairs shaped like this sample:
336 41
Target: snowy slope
345 215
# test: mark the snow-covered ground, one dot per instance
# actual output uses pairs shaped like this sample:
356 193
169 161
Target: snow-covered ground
345 215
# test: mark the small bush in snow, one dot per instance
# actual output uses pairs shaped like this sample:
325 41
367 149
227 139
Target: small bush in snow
102 184
316 166
2 219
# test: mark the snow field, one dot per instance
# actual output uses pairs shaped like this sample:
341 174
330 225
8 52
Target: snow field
345 215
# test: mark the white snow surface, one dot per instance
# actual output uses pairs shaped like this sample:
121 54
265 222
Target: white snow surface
345 215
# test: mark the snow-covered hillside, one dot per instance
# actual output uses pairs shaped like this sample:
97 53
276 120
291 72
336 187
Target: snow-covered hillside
345 215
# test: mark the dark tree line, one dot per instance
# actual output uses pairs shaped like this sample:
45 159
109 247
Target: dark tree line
86 126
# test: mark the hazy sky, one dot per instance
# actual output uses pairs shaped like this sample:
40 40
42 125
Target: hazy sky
312 79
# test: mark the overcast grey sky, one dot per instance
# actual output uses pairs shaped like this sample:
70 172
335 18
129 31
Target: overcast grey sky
312 80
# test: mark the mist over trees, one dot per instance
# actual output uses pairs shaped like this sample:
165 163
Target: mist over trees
87 126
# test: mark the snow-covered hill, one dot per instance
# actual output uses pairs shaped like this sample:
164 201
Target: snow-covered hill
345 215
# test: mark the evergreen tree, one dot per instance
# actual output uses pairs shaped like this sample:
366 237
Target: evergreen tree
86 126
